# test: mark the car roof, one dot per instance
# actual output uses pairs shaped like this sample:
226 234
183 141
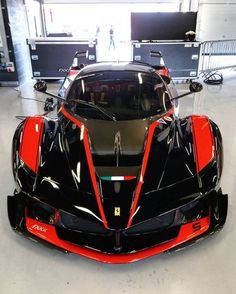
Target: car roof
115 66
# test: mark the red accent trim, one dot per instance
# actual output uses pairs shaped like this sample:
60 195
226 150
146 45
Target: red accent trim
164 72
70 117
56 216
128 178
144 165
90 163
169 113
73 72
143 169
48 233
31 142
93 177
204 146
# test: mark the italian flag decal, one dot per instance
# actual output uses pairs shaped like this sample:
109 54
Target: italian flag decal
118 178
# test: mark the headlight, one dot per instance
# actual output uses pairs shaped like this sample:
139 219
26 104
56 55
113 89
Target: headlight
43 212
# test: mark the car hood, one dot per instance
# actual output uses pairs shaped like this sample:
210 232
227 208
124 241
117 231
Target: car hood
117 153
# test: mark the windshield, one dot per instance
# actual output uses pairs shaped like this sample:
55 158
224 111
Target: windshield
124 95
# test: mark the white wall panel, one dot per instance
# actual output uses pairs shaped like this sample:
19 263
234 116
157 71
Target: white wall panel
217 1
216 21
109 1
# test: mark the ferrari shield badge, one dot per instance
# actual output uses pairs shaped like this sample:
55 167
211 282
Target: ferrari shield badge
117 211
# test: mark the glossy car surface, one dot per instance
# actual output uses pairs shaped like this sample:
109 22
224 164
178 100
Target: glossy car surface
117 177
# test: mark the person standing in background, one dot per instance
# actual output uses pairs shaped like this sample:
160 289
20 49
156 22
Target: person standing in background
111 34
97 32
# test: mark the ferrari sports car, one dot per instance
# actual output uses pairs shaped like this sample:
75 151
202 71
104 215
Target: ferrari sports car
117 176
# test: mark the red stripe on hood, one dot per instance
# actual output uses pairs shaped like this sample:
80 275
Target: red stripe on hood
152 128
142 172
90 163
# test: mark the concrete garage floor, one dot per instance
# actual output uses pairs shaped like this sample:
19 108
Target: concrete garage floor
207 267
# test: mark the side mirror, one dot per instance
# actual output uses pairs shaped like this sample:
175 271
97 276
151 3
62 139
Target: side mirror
195 87
40 86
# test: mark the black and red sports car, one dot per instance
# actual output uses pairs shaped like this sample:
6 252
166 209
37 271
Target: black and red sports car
117 176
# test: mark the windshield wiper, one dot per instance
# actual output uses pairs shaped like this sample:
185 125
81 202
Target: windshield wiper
99 108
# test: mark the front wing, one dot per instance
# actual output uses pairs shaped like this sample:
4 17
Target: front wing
168 232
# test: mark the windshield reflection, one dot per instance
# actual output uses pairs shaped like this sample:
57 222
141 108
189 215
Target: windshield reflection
128 95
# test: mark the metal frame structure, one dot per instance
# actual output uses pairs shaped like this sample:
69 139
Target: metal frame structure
218 55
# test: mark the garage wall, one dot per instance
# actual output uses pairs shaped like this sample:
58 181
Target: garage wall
34 14
7 46
19 32
216 20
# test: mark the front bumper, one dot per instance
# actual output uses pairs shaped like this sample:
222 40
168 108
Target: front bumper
134 246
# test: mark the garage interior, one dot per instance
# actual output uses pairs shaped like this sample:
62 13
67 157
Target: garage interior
27 267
